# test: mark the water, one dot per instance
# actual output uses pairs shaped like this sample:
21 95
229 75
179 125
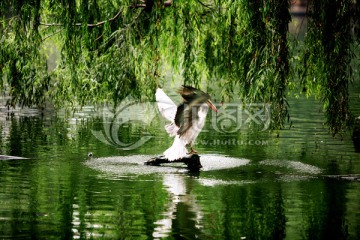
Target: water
254 184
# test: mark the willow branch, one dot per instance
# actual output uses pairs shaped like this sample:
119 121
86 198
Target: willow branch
48 36
10 18
109 20
88 25
205 5
143 4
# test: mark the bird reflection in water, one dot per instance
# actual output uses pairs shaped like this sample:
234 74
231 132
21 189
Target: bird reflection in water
183 215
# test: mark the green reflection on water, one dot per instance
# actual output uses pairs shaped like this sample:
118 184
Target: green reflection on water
55 194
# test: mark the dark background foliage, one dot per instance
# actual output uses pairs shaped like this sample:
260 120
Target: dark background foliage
107 50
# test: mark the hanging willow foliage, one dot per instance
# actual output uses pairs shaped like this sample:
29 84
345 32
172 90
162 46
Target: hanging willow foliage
23 69
110 49
328 51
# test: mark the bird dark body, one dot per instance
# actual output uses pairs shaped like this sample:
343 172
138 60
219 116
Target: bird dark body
186 111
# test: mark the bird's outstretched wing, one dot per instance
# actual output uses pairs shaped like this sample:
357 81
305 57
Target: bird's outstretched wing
167 107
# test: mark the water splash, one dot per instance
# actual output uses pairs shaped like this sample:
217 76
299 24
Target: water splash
296 166
134 164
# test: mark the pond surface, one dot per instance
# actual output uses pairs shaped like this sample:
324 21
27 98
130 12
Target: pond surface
253 184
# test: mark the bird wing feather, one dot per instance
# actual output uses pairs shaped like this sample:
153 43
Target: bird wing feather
166 106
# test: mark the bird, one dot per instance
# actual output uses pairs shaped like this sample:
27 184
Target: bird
186 120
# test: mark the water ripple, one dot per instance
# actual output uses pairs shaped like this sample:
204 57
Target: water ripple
292 165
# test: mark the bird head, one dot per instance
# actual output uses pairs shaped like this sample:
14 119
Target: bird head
193 95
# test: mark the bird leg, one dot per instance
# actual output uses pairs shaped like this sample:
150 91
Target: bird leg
192 151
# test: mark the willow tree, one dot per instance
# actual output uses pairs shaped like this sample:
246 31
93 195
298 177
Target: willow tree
110 49
326 68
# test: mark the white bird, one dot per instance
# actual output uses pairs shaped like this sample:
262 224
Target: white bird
187 119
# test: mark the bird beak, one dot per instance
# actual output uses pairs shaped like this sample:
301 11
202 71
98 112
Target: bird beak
212 106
